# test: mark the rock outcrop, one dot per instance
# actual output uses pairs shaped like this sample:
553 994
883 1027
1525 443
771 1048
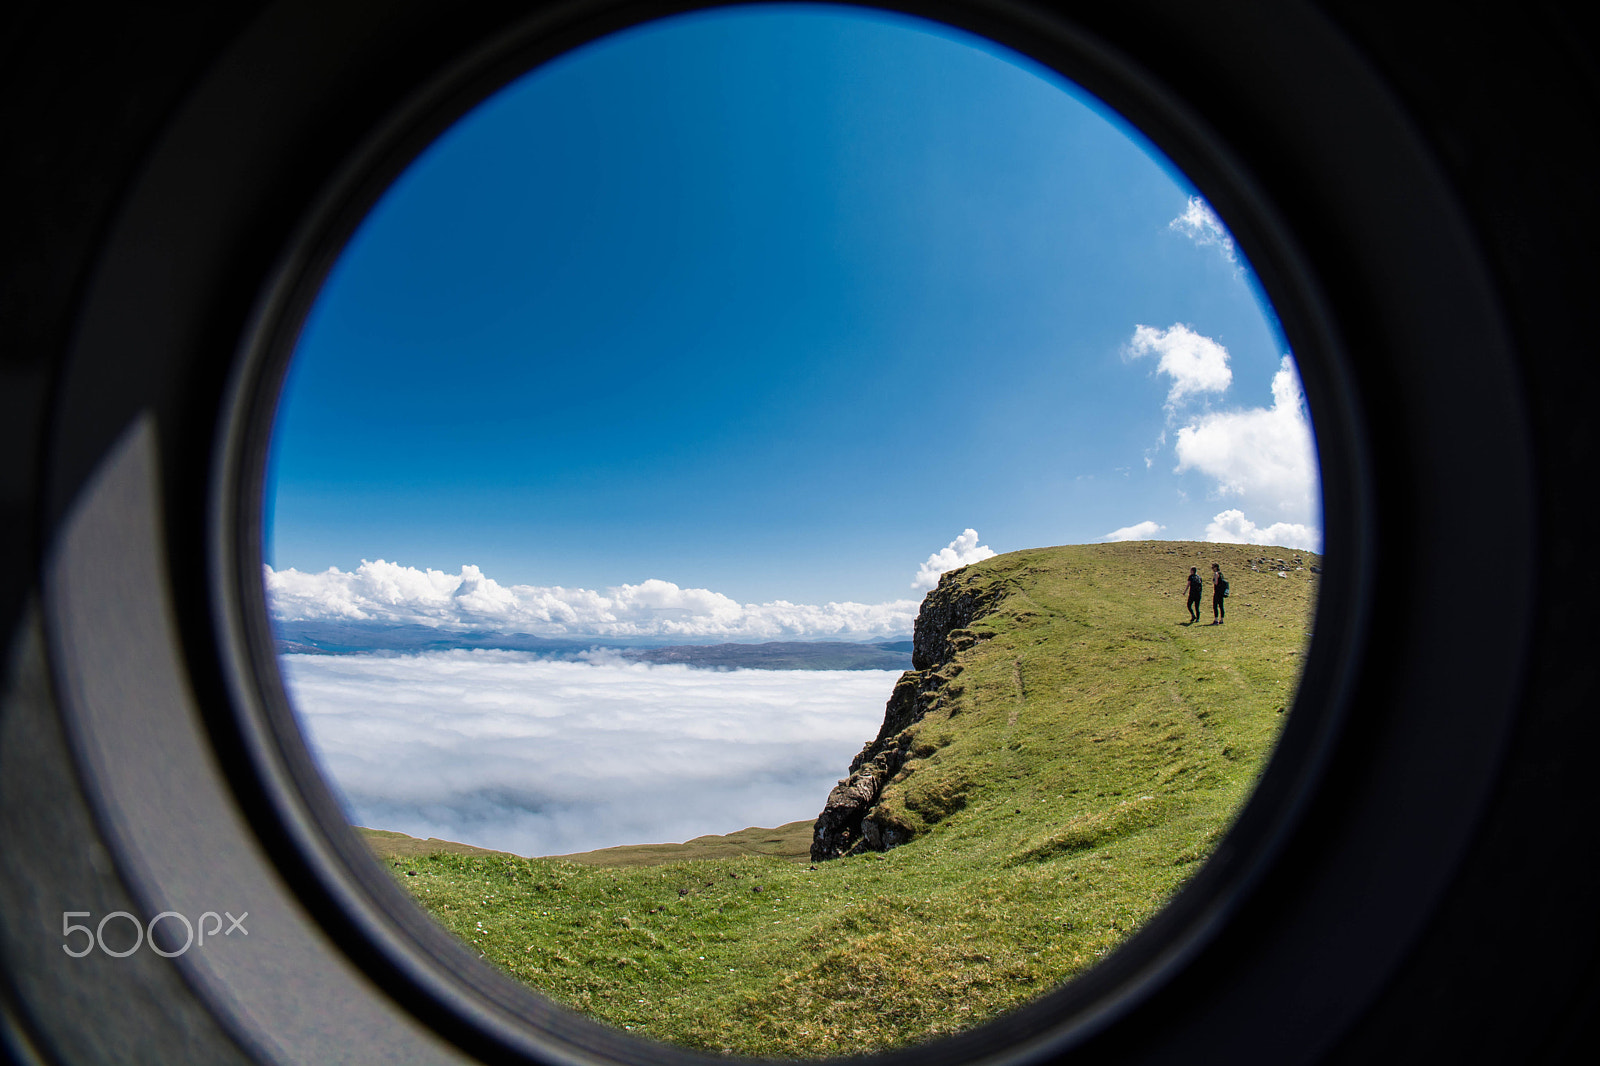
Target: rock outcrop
847 824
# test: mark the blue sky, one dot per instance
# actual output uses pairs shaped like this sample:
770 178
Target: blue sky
775 302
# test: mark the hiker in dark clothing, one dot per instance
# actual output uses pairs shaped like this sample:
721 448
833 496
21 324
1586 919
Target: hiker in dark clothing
1219 589
1195 585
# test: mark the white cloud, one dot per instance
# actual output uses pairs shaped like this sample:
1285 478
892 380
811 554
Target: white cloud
1141 531
536 757
1195 363
1232 527
963 550
388 592
1200 224
1261 458
1264 457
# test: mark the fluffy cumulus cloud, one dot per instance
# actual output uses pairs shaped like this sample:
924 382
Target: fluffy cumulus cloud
1200 224
390 593
1139 531
537 757
1263 457
1232 527
1195 363
1262 460
963 550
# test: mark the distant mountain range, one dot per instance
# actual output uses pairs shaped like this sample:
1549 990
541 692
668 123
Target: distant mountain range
346 638
788 655
354 638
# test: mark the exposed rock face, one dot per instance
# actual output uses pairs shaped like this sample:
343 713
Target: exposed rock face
846 825
941 627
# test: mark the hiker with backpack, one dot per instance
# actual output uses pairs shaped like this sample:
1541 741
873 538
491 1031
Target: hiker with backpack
1195 586
1219 590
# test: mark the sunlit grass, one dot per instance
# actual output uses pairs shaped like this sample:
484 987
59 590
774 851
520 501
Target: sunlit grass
1085 758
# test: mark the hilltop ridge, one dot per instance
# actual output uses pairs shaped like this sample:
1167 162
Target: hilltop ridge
1064 755
1023 598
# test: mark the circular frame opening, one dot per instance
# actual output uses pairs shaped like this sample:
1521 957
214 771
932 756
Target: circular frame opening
150 478
1057 1018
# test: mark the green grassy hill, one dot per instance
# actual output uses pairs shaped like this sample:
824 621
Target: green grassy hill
791 841
1080 750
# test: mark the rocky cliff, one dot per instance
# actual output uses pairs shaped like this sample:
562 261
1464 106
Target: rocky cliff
851 821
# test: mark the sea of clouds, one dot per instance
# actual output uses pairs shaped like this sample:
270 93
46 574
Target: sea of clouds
535 757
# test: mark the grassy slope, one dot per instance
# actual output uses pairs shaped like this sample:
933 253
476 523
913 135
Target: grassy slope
1091 751
388 846
791 841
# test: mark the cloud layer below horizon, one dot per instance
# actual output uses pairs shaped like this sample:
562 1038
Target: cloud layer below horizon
534 757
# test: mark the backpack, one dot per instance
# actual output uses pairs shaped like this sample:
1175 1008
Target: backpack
1224 586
